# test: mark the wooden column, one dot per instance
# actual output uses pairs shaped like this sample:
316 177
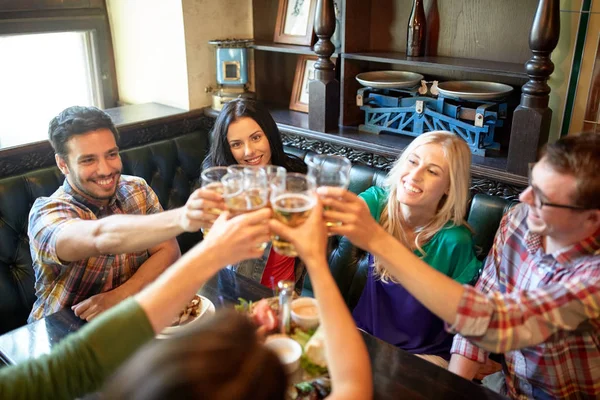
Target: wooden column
531 119
324 90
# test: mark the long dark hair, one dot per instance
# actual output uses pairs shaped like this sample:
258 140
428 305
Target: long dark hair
220 359
220 152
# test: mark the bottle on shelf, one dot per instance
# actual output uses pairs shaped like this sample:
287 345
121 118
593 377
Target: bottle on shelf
415 35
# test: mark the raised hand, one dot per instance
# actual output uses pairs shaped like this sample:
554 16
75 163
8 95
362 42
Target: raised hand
239 238
310 238
201 210
358 224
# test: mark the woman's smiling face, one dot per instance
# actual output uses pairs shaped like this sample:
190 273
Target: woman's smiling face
248 143
424 178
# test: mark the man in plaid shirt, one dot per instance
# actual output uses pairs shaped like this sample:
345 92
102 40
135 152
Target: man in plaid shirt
538 299
102 236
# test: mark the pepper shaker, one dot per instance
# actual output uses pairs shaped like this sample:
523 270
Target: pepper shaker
286 289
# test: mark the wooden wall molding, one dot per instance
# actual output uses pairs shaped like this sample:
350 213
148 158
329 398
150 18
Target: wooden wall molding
478 184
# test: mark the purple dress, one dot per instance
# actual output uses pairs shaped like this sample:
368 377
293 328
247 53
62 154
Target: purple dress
389 312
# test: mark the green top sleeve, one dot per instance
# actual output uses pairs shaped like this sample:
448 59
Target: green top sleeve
81 362
375 197
451 251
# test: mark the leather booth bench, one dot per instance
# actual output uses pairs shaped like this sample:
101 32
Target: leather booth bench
172 168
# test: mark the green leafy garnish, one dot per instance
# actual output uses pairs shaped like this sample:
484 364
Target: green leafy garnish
310 368
243 306
304 387
301 337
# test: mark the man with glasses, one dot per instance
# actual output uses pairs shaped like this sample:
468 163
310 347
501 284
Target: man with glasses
545 265
538 298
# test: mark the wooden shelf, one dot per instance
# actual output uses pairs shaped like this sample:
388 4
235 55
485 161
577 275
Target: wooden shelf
513 70
282 48
387 145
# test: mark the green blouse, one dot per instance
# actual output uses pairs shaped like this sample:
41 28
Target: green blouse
450 251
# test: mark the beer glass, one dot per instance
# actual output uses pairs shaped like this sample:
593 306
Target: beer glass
245 192
275 177
292 203
210 179
330 170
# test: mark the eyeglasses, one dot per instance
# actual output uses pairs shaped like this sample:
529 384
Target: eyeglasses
537 196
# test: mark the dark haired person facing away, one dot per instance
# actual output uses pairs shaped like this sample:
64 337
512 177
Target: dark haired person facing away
85 239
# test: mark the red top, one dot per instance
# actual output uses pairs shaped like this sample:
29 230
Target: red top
279 267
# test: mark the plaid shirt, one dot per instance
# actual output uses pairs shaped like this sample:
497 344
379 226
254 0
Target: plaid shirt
541 310
58 284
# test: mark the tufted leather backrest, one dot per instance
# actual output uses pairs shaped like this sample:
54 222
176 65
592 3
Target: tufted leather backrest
171 167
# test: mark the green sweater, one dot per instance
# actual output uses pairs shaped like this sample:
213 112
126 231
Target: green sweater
450 250
80 363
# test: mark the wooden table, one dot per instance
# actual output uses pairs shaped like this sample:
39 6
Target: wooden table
396 373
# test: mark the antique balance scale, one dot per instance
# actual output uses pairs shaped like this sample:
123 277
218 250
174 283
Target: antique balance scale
401 102
232 71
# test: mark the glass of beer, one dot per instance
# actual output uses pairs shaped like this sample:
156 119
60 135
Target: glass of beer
330 170
292 203
210 179
245 192
275 177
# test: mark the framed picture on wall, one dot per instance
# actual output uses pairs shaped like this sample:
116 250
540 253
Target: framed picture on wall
295 21
305 72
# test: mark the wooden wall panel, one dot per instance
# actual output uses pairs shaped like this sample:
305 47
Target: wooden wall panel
481 29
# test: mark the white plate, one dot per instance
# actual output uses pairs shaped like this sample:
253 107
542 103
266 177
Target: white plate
208 308
389 79
474 90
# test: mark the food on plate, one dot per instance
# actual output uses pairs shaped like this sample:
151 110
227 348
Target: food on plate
305 313
307 310
189 313
314 361
316 389
264 313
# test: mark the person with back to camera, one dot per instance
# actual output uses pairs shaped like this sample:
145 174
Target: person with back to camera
538 298
246 134
423 206
223 359
83 360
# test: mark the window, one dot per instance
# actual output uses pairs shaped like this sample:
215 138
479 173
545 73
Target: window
41 75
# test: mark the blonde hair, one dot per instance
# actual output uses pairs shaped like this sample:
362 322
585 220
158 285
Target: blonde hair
452 207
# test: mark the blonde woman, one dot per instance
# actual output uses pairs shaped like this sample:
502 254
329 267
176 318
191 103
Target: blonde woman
423 206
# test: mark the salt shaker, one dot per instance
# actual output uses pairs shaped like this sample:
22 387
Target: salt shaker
286 289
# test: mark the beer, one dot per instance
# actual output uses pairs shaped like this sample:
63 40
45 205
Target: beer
293 209
213 187
245 202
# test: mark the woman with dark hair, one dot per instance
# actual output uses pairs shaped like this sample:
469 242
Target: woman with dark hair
246 134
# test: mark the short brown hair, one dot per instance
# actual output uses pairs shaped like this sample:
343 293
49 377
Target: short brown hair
578 155
77 120
220 359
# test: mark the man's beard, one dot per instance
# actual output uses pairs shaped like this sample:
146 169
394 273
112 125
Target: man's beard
93 196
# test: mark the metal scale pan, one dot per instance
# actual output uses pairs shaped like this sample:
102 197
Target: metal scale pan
474 90
389 79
